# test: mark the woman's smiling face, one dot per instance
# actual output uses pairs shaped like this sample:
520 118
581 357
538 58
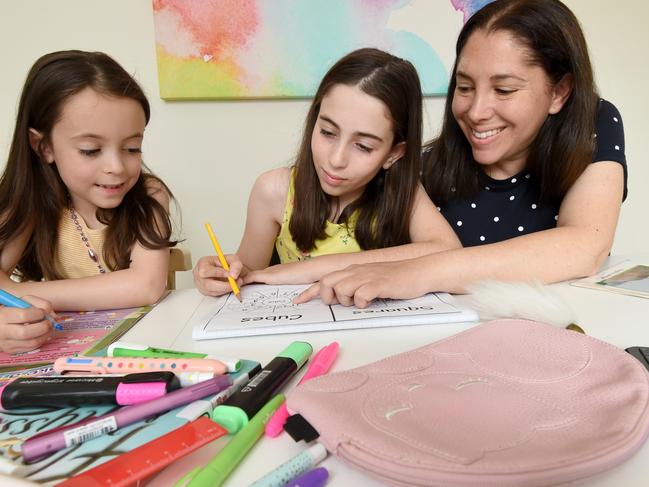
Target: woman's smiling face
501 100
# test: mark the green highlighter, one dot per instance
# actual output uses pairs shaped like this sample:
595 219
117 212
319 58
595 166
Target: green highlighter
235 413
218 469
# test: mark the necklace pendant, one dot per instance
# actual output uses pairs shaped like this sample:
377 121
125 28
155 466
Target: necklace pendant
85 240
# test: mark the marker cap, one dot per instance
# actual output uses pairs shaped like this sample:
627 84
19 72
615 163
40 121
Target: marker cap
312 478
124 346
139 392
299 352
231 418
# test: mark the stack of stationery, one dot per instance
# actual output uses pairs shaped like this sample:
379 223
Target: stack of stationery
43 445
44 425
20 424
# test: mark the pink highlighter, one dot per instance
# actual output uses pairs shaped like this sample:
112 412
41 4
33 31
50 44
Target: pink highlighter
320 365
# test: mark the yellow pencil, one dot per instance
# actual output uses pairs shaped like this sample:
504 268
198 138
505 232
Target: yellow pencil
224 263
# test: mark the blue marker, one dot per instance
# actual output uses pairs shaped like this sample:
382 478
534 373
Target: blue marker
12 301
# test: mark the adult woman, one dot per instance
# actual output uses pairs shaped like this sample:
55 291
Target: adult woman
511 170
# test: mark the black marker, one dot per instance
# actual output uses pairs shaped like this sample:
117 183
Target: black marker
235 413
86 389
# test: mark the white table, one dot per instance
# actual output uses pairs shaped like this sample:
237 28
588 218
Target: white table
617 319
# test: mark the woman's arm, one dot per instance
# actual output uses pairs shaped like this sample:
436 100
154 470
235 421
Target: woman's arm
265 213
429 232
143 283
575 248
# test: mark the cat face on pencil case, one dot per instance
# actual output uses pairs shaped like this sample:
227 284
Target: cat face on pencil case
440 414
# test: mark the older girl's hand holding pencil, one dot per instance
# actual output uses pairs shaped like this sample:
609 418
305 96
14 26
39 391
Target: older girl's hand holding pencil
211 278
204 270
24 329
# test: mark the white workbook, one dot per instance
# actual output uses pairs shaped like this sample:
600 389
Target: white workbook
267 309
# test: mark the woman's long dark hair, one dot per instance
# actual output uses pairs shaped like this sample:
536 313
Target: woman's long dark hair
32 194
385 206
564 146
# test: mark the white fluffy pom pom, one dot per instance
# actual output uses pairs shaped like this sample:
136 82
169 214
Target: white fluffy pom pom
531 301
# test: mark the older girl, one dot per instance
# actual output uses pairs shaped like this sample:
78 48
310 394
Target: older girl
354 186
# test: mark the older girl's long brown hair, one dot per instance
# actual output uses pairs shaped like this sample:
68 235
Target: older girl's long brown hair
564 146
32 194
385 206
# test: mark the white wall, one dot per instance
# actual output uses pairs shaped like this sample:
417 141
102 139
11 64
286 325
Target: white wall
210 152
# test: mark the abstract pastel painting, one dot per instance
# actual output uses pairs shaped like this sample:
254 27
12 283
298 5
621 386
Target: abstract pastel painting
221 49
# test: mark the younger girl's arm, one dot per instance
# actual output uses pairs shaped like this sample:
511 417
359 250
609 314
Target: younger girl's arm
265 212
429 232
575 248
143 283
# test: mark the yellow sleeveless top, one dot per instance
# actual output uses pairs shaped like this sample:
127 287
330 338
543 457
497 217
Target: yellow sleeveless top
71 255
340 236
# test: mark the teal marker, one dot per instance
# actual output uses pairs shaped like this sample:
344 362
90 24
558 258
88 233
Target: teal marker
217 470
124 349
8 299
235 413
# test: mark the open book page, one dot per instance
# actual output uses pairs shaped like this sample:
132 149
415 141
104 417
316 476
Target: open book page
625 278
267 309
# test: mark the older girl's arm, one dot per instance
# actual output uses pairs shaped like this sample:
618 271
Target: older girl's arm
429 232
265 213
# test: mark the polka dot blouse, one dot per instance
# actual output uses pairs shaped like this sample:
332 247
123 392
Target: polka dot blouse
504 209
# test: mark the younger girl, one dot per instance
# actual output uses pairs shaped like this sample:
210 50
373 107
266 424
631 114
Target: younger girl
82 225
354 185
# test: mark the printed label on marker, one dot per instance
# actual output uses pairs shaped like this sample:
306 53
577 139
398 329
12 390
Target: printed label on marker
257 379
89 431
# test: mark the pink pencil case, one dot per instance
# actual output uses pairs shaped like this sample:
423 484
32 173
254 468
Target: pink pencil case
506 403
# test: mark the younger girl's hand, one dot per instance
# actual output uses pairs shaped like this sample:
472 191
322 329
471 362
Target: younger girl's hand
211 278
22 330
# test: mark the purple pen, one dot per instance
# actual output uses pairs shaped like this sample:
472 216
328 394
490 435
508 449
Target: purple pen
313 478
45 444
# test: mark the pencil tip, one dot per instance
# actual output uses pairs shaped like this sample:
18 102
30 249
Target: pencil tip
238 295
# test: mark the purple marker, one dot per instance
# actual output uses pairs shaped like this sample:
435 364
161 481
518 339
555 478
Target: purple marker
313 478
45 444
